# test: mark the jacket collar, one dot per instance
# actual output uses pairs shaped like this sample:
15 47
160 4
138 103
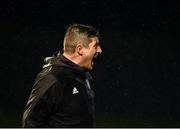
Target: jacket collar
70 64
57 59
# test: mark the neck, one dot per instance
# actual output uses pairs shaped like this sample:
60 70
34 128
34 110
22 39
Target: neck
73 57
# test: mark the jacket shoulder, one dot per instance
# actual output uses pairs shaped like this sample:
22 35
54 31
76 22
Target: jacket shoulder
54 75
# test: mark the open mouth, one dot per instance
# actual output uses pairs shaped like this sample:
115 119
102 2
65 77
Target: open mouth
94 58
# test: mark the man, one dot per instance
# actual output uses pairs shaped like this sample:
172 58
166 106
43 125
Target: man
62 94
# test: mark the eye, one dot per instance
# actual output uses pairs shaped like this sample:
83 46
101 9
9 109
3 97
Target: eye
96 45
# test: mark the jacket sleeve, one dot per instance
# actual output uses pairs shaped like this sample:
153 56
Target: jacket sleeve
45 95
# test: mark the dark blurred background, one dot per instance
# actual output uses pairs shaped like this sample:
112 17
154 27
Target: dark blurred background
137 76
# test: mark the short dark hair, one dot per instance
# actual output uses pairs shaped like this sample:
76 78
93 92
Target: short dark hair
76 33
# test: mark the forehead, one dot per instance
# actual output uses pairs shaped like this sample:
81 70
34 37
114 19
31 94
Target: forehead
94 40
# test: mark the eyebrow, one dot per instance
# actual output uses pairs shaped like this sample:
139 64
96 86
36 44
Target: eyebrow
97 43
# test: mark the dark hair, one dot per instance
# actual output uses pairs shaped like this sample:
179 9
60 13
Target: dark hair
76 33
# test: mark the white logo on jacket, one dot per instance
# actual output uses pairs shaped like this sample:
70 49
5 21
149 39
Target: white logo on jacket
75 91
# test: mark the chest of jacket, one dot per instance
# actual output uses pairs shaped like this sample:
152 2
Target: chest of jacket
78 96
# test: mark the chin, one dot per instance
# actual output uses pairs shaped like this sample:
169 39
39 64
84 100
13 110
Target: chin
90 68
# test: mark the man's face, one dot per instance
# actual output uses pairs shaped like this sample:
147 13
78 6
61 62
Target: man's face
91 52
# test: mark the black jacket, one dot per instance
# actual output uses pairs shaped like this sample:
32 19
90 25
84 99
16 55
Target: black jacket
61 96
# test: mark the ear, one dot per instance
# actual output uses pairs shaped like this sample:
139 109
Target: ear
79 49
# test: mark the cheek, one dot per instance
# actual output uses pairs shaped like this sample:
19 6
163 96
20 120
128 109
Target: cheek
86 55
89 54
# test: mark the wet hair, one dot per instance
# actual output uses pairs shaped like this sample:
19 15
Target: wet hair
76 33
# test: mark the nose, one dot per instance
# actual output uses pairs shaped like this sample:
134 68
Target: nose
99 50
